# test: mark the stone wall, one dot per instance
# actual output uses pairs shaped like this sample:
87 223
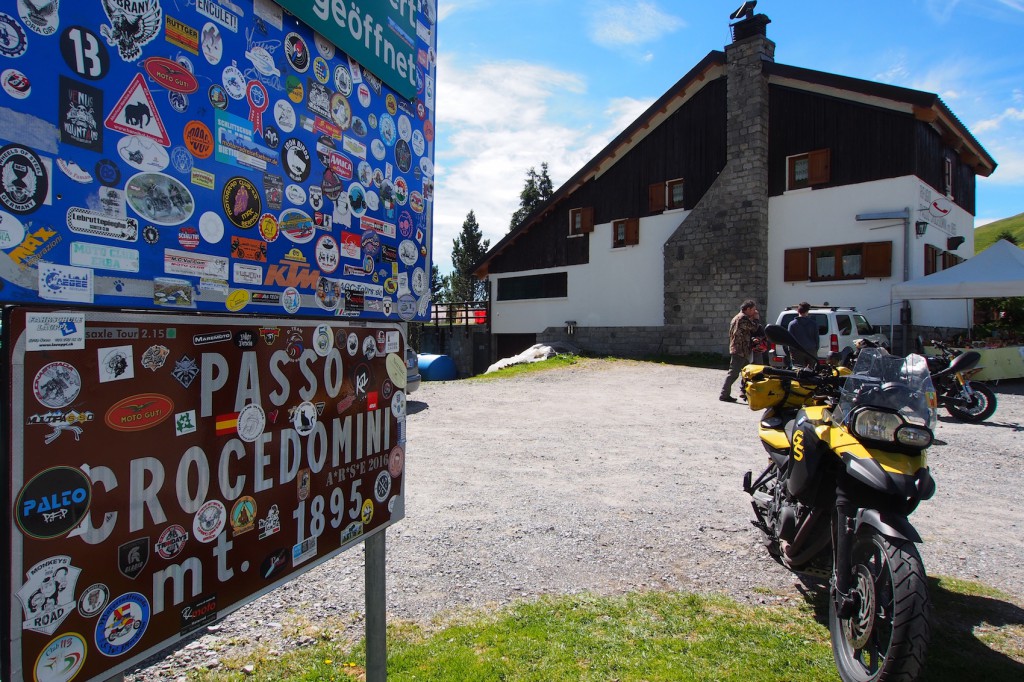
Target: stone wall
717 257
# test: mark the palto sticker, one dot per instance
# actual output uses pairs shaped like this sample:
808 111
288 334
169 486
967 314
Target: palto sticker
48 595
53 502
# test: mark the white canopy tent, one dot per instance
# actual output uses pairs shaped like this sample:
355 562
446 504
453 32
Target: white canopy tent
996 272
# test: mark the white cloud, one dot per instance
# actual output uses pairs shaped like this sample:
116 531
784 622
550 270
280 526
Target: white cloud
997 121
1009 156
619 24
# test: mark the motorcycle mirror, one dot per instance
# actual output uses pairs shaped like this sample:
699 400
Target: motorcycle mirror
780 336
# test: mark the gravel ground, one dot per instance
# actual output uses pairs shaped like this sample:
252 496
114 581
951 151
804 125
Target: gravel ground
607 476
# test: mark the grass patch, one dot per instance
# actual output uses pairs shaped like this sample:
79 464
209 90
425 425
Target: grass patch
554 362
977 634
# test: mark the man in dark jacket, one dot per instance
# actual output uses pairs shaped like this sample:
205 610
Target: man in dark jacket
741 333
805 330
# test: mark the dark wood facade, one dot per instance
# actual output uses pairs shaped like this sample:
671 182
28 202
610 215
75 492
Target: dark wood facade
689 144
867 143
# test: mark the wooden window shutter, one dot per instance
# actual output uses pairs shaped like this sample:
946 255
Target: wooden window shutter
819 167
632 231
795 268
930 259
656 197
948 260
587 220
878 259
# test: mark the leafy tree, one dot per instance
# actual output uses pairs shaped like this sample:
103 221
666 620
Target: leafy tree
467 250
536 190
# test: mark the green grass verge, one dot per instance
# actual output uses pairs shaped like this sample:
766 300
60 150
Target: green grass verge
652 636
986 235
705 360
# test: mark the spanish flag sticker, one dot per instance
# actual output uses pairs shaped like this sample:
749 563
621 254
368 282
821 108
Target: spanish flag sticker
227 424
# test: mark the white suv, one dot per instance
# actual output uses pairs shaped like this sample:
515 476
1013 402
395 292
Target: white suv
837 329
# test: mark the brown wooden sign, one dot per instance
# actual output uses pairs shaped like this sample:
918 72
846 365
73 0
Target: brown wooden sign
164 470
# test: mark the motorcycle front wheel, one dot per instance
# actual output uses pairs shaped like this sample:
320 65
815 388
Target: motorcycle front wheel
981 407
887 636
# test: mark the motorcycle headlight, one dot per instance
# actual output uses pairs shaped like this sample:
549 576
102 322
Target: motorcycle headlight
876 425
889 427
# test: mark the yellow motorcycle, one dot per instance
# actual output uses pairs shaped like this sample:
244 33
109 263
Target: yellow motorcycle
847 464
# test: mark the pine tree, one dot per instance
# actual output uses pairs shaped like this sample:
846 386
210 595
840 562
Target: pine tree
438 286
467 250
536 190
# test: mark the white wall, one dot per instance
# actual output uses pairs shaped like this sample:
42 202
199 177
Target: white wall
806 218
618 288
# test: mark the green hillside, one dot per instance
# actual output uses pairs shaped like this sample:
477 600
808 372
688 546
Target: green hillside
986 235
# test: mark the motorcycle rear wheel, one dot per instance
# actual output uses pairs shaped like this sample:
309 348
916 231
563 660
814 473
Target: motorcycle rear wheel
982 407
886 638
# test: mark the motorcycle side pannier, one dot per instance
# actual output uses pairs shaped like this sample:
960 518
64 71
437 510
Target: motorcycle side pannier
764 391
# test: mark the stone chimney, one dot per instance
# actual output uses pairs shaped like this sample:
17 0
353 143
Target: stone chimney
718 257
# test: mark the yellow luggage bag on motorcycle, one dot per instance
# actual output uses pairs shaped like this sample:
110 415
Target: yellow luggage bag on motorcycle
768 391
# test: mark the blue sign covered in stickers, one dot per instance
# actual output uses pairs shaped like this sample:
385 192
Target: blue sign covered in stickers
216 155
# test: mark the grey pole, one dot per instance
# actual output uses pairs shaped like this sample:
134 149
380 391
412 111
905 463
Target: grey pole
376 608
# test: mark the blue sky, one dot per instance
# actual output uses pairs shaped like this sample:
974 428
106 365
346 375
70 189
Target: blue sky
526 81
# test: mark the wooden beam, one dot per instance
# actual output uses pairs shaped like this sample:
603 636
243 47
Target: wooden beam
926 114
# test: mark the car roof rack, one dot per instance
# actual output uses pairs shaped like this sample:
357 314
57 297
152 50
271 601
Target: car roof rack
833 308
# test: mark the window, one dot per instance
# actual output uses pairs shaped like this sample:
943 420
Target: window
554 285
625 232
947 175
581 221
936 260
665 195
838 262
807 170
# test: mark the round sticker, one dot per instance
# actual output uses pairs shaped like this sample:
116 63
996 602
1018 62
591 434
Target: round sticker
11 231
378 150
418 144
382 486
171 541
181 159
159 198
352 343
388 130
304 418
404 127
218 97
323 340
363 93
188 237
268 227
341 111
243 515
332 187
403 156
13 41
24 181
271 137
408 253
327 256
295 159
398 404
241 202
296 226
357 200
213 44
284 114
297 52
402 193
211 227
358 127
93 599
53 502
323 46
420 283
16 84
291 300
234 82
57 385
396 461
252 421
62 658
122 624
178 101
365 173
84 53
142 153
396 370
293 86
107 173
343 80
321 71
198 139
209 521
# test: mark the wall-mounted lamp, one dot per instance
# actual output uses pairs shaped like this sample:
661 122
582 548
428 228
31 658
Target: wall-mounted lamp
953 243
920 227
570 327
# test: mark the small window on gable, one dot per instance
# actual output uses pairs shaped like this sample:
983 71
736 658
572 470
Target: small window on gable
625 232
581 221
674 193
947 175
665 195
807 170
